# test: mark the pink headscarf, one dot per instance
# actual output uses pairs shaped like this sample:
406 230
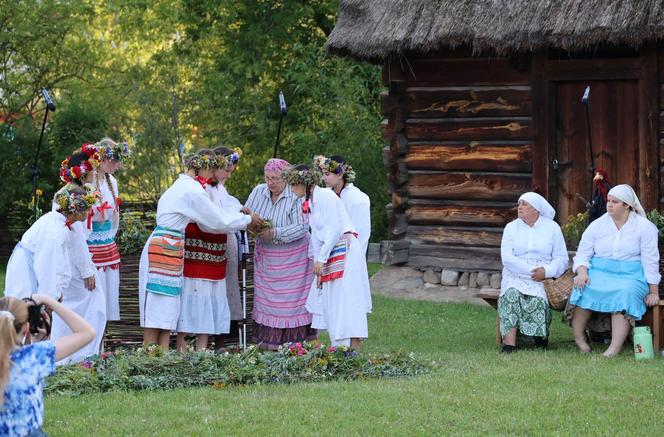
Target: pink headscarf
276 165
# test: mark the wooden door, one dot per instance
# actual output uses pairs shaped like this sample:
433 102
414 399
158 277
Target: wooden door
614 126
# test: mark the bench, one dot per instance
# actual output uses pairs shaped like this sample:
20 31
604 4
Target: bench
654 317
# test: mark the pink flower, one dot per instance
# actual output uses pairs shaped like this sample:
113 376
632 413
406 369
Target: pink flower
86 364
331 349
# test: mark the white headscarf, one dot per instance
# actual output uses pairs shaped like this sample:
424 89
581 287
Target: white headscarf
626 193
540 204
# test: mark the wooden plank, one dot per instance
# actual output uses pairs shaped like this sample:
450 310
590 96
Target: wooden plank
516 128
476 258
648 128
540 151
460 215
463 263
472 155
455 71
455 235
458 185
661 96
468 102
592 69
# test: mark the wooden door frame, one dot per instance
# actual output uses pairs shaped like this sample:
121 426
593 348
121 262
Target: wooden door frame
546 73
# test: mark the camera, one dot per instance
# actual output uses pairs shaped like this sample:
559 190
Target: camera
38 317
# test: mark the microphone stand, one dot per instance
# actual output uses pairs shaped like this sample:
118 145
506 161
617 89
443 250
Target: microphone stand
50 106
242 339
282 112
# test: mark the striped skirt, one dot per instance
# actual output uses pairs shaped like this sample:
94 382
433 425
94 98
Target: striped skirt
101 244
282 279
165 262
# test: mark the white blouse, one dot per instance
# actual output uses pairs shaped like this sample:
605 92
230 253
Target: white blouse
358 207
524 248
186 201
328 221
635 241
48 240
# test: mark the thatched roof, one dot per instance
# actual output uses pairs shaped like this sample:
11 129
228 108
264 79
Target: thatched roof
380 29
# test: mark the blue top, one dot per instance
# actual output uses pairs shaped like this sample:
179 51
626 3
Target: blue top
23 410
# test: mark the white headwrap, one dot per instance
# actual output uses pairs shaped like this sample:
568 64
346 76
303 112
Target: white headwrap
626 193
7 314
540 204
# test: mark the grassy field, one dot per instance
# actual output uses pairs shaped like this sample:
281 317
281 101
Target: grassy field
472 390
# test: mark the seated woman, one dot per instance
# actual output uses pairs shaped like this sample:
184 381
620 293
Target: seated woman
532 249
617 267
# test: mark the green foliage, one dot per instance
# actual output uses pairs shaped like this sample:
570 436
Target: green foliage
574 228
166 73
658 220
135 229
153 369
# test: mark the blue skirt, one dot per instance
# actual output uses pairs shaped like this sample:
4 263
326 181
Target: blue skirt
615 287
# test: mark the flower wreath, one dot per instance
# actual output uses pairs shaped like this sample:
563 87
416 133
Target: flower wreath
117 152
75 203
69 173
231 159
308 178
341 168
199 161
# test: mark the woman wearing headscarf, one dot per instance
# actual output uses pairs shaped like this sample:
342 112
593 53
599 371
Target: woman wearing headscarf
283 270
617 267
532 249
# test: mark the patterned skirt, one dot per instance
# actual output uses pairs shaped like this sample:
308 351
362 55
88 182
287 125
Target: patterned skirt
101 244
529 314
165 262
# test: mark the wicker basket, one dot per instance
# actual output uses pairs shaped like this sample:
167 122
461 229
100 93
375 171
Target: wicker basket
558 290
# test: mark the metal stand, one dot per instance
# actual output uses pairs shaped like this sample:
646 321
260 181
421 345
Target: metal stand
242 329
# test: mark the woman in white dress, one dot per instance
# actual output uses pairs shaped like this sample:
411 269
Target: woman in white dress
337 255
40 262
617 269
532 249
85 294
105 223
162 260
204 303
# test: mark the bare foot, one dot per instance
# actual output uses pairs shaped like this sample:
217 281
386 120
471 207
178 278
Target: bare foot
583 345
611 352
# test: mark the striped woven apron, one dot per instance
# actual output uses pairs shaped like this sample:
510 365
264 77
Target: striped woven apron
204 254
165 262
101 244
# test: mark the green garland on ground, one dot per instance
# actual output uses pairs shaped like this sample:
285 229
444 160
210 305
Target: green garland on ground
153 369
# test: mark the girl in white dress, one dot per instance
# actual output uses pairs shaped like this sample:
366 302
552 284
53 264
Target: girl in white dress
337 258
40 261
106 221
162 260
84 295
204 307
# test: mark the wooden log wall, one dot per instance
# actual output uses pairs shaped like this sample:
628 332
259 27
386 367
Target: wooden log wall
460 143
660 136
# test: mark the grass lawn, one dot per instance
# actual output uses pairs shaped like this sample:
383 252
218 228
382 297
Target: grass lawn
472 390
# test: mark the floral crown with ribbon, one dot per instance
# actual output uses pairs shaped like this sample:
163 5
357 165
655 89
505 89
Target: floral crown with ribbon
112 150
71 200
200 160
68 172
308 178
341 168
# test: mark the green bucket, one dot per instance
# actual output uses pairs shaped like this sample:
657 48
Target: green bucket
643 348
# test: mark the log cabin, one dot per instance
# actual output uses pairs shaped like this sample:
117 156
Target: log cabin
483 103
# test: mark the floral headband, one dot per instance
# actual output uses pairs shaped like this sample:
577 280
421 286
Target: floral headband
308 178
75 202
198 161
69 173
116 152
340 168
231 159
